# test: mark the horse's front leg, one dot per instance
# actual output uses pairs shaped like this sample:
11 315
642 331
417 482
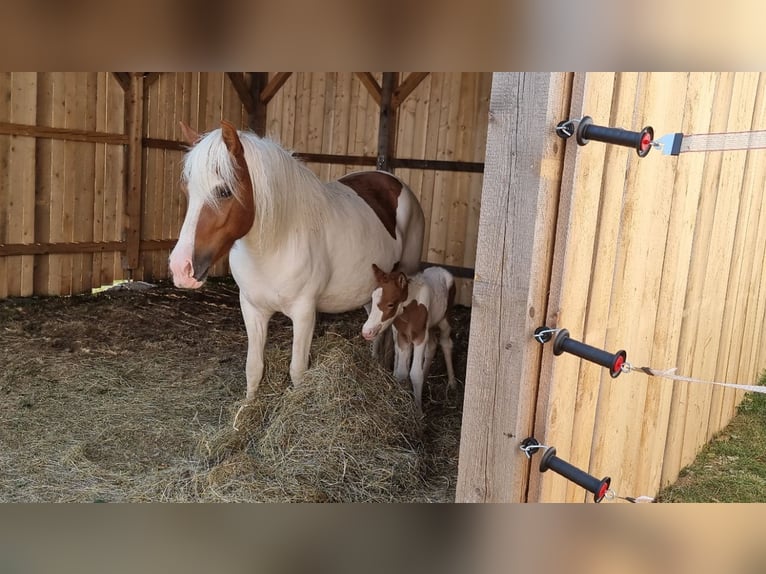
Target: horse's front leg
256 324
303 317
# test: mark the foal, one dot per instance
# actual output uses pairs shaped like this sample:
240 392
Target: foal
413 305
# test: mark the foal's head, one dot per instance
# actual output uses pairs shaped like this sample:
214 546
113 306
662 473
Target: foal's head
221 206
387 300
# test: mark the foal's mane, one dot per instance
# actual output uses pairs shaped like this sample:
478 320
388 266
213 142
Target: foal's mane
288 196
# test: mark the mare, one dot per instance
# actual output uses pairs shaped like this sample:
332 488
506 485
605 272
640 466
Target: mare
413 306
296 245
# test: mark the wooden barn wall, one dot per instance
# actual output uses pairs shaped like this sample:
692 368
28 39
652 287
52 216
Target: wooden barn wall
664 257
60 190
65 190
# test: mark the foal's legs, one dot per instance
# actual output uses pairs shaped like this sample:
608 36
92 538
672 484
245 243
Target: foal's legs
417 372
256 324
446 344
303 315
402 355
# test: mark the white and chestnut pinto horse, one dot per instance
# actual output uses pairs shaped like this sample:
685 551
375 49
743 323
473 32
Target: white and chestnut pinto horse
412 306
296 245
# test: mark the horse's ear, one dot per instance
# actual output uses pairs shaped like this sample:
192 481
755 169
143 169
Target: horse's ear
378 272
190 136
230 137
401 280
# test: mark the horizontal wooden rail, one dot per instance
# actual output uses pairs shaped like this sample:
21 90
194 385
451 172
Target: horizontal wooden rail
89 136
75 248
15 249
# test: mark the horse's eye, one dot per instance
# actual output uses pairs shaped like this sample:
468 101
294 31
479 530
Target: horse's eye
390 305
223 192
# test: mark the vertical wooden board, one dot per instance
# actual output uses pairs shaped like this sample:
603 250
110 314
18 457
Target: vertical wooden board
43 181
576 224
152 176
169 175
606 236
316 113
428 181
722 234
6 91
114 180
515 246
672 259
747 252
750 362
99 191
84 205
620 417
694 350
289 95
74 110
473 191
458 200
21 184
700 93
731 180
444 183
302 102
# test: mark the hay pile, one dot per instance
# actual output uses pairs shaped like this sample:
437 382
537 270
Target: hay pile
132 396
349 433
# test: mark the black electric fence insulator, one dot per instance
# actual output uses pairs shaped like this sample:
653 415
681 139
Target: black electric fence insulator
597 487
587 131
563 343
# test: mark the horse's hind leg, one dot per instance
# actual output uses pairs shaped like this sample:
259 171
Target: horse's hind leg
304 317
256 323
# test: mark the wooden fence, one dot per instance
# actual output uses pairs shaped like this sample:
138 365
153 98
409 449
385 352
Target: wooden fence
663 256
90 162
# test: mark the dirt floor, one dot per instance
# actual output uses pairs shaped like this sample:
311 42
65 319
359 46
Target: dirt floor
132 395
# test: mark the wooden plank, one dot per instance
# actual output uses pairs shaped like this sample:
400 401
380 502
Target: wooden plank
74 109
689 172
371 84
21 183
99 200
247 98
606 232
515 245
62 133
275 84
667 258
431 149
578 212
6 91
339 121
732 175
739 350
12 249
123 79
695 355
404 89
134 118
751 358
43 179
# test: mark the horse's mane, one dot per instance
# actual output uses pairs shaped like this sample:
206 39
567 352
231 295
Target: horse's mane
288 195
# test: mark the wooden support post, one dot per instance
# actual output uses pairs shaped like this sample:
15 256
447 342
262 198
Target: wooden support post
134 127
388 122
515 246
257 117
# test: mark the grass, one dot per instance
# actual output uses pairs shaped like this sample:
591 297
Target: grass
732 467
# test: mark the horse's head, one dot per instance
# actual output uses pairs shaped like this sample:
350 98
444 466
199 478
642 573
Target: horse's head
220 208
387 299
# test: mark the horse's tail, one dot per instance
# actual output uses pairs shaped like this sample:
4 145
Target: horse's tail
414 229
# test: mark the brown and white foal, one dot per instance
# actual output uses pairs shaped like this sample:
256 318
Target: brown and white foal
413 306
